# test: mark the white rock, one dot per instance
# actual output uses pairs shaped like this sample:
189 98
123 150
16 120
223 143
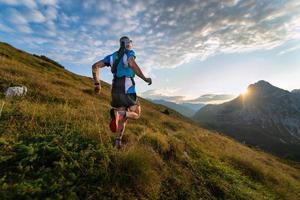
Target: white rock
16 91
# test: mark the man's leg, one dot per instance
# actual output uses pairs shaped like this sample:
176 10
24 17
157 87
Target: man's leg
121 133
118 140
134 112
121 123
120 112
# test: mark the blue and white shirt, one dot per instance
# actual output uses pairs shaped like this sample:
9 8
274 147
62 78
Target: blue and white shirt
123 69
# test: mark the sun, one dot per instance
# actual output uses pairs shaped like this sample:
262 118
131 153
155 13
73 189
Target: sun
245 92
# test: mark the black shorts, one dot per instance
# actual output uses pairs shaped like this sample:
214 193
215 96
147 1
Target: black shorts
123 92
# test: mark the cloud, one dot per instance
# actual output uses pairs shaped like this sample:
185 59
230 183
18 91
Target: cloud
48 2
25 17
291 49
176 32
5 28
21 20
16 17
166 34
203 99
212 98
18 21
51 13
28 3
50 29
23 28
66 20
165 94
35 16
99 21
23 13
206 28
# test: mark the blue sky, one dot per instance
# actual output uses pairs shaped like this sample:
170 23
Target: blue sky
190 48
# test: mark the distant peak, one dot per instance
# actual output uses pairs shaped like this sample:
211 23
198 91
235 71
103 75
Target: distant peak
264 88
263 83
260 85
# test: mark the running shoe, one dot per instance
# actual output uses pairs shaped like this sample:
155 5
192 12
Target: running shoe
118 143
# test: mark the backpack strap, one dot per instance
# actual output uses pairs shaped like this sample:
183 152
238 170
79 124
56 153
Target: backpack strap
120 55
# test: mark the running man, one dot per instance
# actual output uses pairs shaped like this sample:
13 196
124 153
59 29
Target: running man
124 99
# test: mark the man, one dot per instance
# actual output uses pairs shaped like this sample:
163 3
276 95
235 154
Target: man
124 100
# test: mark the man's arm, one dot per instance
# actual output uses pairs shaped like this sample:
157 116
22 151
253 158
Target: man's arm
95 70
138 71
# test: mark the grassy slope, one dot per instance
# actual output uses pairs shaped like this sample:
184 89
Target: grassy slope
55 142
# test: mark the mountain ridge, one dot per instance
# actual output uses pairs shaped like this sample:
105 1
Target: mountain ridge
266 116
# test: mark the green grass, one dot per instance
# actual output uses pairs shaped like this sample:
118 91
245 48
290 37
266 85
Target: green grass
55 143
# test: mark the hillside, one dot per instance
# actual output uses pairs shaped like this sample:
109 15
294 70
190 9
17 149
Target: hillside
55 143
266 117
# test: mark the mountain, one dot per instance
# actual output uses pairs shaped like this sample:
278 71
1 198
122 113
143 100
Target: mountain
186 109
193 106
266 117
296 91
55 143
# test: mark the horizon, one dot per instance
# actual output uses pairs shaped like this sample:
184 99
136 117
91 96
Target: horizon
226 45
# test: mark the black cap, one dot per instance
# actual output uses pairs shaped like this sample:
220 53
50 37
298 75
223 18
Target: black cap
125 40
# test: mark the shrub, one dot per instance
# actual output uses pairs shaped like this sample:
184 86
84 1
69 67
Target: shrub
248 168
134 171
170 125
55 166
157 141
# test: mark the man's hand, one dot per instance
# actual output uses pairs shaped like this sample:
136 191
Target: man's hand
148 80
97 88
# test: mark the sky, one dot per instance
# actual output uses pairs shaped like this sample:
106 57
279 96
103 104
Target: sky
194 50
